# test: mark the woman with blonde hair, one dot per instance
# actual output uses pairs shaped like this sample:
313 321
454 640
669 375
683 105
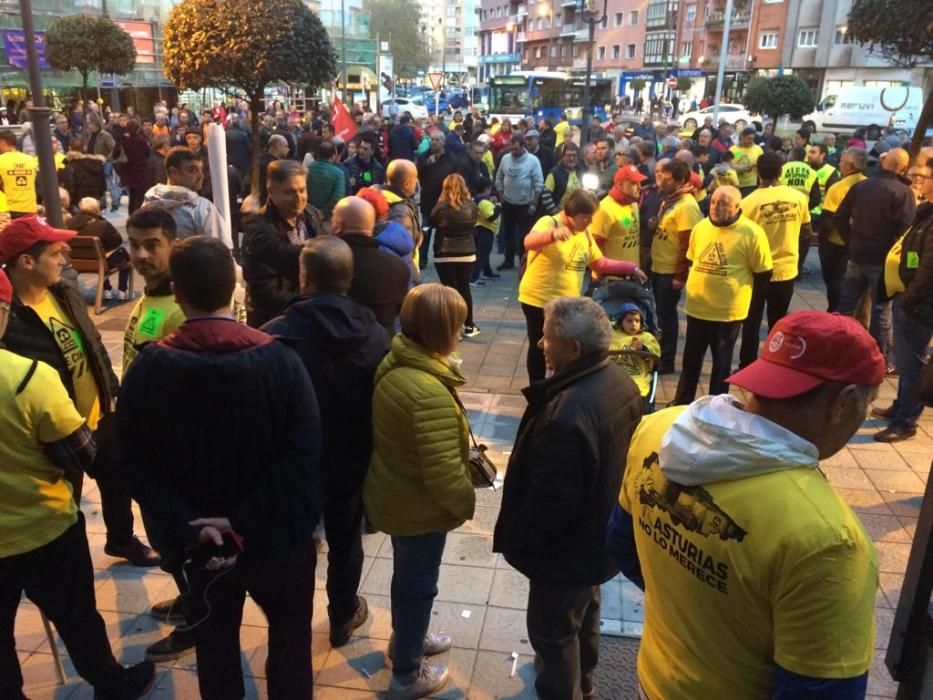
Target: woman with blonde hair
454 217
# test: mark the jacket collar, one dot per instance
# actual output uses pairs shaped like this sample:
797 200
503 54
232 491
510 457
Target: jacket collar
215 334
544 390
360 240
162 289
406 352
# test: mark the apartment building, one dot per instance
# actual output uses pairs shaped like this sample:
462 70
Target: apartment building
498 39
450 31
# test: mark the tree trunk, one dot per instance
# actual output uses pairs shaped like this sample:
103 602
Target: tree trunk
926 117
255 106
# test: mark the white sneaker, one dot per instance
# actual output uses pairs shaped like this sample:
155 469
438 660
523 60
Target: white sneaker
470 331
110 294
121 295
430 679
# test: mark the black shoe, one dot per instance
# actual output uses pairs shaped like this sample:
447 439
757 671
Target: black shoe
895 433
135 551
886 413
505 266
172 611
174 646
666 369
340 634
136 682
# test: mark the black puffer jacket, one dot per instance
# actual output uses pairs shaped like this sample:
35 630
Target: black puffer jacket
916 268
565 471
87 225
83 176
27 335
454 237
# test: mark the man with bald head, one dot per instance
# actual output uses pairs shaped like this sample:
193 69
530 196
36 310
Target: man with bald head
729 255
399 193
340 343
380 279
873 215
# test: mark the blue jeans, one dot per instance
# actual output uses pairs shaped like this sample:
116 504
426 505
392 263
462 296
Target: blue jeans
666 299
859 279
911 340
483 237
416 567
113 184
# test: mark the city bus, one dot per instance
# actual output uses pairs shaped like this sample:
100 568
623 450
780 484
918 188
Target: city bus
545 95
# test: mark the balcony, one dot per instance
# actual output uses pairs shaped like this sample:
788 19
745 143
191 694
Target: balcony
520 38
716 21
733 62
659 60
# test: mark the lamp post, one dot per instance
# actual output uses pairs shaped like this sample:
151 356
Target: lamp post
591 18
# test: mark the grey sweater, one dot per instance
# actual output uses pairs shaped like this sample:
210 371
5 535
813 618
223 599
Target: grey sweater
519 180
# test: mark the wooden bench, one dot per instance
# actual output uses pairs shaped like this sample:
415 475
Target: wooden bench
87 255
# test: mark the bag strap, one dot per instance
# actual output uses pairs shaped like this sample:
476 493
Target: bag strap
465 417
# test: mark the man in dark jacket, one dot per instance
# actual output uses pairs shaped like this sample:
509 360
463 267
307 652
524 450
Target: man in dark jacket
433 167
239 146
238 482
272 240
560 487
402 141
913 318
871 217
474 169
341 343
544 154
363 170
49 322
380 279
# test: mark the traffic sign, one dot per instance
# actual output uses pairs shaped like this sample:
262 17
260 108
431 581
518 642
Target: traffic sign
436 80
672 83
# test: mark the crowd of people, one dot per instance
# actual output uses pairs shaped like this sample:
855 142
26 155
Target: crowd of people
335 404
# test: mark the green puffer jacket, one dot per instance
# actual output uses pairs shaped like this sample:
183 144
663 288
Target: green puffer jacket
418 480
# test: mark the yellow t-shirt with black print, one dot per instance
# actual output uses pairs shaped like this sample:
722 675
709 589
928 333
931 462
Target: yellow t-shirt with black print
618 225
665 245
637 367
558 269
781 211
18 172
153 318
834 196
745 155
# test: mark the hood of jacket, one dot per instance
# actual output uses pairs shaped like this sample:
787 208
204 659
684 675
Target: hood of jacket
714 439
74 155
170 196
334 320
405 352
395 237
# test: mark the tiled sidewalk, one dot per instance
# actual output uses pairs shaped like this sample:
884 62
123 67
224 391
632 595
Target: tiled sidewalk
481 600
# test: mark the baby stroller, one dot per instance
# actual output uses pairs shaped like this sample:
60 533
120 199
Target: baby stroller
618 298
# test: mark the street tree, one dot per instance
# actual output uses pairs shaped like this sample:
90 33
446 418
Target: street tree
85 43
901 31
399 23
775 97
247 44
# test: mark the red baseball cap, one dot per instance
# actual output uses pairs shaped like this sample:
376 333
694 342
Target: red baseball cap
6 288
23 233
629 173
807 348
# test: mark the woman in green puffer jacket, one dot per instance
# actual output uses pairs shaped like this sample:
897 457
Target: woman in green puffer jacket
418 486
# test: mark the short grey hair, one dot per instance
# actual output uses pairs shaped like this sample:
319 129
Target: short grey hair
277 139
669 143
858 157
583 320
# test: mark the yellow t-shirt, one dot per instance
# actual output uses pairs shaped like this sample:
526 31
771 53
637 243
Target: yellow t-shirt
618 225
743 156
665 246
87 396
152 318
744 575
893 284
18 173
557 270
719 286
59 161
781 211
834 196
573 184
490 164
561 128
638 368
37 500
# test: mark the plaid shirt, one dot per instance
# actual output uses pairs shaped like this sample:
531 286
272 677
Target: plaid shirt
74 453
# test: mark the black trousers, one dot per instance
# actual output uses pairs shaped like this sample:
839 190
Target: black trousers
665 300
424 250
457 275
719 337
563 628
516 223
777 296
343 517
833 260
59 579
137 196
284 590
534 360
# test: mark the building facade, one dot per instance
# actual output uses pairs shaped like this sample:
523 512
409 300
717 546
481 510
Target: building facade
450 33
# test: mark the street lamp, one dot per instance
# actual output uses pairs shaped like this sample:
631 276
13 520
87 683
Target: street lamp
591 17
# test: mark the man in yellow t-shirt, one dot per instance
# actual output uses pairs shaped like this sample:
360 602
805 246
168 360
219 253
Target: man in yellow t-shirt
783 213
747 153
670 231
50 323
729 255
43 544
17 177
833 252
760 580
616 225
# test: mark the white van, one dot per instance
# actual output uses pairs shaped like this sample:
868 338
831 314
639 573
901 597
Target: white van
846 109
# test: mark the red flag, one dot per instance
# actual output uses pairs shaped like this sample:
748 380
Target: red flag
343 123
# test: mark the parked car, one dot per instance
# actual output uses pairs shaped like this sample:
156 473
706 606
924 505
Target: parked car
845 109
406 104
732 113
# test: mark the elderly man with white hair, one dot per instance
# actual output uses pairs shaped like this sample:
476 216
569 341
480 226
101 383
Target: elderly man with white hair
564 472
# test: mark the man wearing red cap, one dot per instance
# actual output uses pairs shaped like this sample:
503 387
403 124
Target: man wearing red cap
49 322
616 225
760 580
43 544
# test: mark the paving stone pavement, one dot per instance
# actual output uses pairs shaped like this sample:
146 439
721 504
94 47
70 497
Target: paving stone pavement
481 600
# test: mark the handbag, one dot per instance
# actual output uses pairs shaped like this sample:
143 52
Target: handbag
483 472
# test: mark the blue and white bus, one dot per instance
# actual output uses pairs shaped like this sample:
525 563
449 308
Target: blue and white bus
545 95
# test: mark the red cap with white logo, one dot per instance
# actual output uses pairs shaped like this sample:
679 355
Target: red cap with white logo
808 348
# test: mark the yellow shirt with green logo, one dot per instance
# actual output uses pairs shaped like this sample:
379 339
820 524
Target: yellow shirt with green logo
558 269
71 345
618 225
18 173
153 318
745 155
37 502
781 211
745 575
834 197
725 259
665 246
639 368
799 175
